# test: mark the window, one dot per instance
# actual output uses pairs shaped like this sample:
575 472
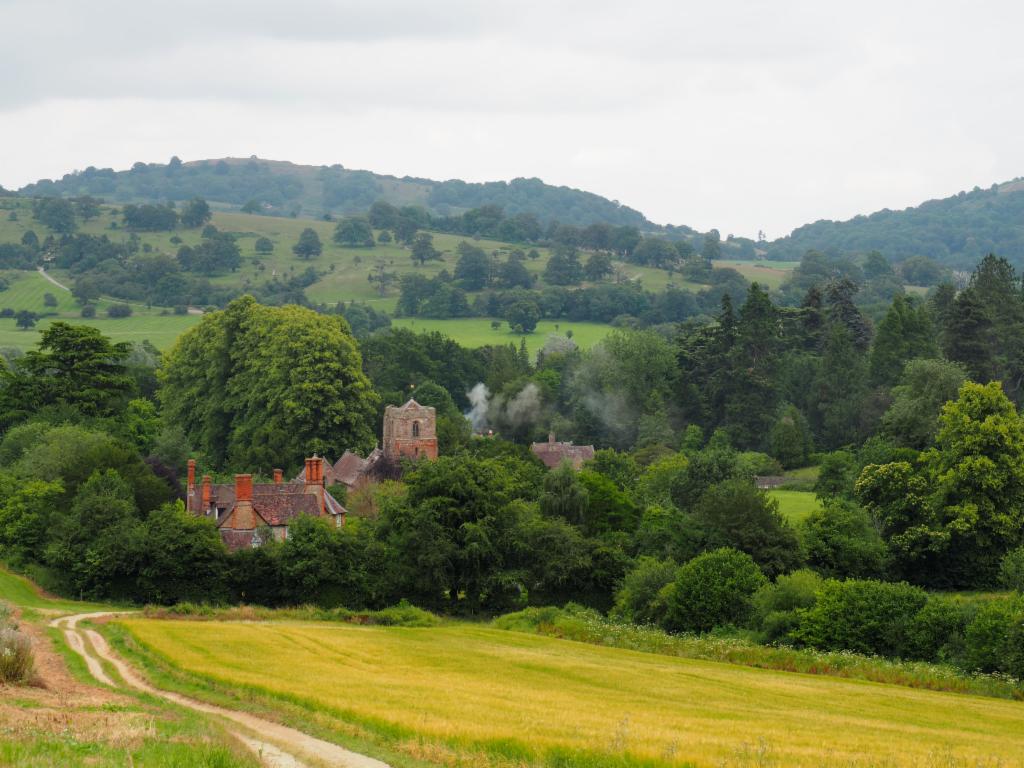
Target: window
415 429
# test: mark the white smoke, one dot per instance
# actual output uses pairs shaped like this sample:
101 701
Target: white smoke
524 409
479 397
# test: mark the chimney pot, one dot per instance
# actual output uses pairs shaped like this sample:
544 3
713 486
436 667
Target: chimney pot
191 474
207 492
243 488
278 476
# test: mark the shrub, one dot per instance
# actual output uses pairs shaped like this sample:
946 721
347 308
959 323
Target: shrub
862 616
994 640
119 310
89 311
642 596
1011 570
776 606
712 590
936 633
16 661
840 541
180 309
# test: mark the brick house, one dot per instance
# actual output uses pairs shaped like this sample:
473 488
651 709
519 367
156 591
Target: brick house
246 512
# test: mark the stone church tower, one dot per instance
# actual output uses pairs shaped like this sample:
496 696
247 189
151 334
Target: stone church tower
411 431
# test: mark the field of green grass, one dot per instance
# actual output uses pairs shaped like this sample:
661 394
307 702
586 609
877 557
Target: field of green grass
766 273
795 506
27 290
542 701
19 591
477 331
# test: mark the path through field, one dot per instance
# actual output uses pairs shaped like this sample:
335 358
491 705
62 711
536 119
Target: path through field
52 279
277 746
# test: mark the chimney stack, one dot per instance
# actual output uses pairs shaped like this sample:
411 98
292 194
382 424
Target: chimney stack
315 480
190 486
243 488
207 493
278 476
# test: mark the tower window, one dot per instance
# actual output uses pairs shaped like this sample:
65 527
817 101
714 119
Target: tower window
415 429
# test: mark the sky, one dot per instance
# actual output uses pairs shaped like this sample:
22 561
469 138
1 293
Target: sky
738 115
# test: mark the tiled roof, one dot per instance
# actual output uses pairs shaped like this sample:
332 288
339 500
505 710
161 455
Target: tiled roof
553 454
235 540
279 508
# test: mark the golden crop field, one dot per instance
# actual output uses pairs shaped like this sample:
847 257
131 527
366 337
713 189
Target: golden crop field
483 689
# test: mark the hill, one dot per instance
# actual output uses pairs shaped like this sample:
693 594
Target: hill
286 188
956 231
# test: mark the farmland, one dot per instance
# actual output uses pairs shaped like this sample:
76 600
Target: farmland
541 700
477 331
341 276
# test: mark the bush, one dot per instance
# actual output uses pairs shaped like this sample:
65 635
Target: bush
936 633
89 311
712 590
994 640
1011 570
119 310
776 606
180 309
16 660
840 541
642 596
862 616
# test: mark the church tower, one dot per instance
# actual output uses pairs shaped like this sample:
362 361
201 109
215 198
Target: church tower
410 431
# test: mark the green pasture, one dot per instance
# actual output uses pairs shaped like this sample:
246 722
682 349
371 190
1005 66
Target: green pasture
477 331
795 506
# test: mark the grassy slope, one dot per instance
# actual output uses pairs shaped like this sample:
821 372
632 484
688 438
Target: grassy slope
477 331
21 592
513 694
343 271
795 506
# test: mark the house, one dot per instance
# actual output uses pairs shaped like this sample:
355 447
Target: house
246 513
553 453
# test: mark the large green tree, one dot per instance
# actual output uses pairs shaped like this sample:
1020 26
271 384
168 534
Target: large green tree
255 387
74 366
951 517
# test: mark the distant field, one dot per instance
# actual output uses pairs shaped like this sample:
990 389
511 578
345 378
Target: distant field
27 291
766 273
795 506
477 331
539 700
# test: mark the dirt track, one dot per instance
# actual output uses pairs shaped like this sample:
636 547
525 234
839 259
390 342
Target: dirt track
277 746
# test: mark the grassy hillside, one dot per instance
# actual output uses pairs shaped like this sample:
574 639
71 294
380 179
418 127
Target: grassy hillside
538 700
341 276
27 290
285 188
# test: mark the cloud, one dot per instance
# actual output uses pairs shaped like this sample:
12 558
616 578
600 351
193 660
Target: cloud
738 115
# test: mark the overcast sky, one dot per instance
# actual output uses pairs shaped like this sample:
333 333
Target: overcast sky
736 115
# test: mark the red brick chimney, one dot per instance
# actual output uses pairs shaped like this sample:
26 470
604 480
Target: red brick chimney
207 493
243 488
278 476
190 486
315 480
244 517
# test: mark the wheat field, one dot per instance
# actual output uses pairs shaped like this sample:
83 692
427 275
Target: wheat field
534 698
